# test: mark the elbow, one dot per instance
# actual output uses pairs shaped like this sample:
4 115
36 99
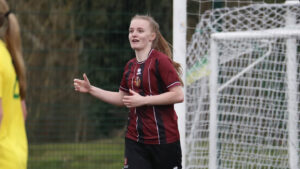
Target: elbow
180 98
120 104
178 94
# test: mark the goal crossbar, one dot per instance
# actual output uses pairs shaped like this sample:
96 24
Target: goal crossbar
270 33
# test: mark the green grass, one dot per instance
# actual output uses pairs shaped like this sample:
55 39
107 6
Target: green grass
101 154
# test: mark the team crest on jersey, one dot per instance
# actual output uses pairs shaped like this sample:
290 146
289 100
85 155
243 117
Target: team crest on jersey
137 81
139 71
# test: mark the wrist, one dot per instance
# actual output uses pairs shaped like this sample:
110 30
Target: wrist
146 100
91 89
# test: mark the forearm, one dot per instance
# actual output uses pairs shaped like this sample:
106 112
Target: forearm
175 95
163 99
114 98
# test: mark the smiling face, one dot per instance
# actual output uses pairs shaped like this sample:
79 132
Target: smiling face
140 34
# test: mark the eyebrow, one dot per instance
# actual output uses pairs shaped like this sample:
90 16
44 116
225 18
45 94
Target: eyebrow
137 28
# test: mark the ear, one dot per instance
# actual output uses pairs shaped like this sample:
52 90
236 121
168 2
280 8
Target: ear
152 36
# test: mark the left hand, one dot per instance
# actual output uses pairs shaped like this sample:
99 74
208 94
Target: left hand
133 100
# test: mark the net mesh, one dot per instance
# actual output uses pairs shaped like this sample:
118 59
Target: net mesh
252 112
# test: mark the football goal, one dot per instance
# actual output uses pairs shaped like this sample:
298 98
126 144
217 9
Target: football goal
242 88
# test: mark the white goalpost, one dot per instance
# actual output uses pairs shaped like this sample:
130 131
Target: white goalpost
179 53
272 39
242 83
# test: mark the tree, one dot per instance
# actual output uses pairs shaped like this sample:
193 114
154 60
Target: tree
63 39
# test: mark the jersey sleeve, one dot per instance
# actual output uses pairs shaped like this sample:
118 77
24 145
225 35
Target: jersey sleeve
123 85
168 73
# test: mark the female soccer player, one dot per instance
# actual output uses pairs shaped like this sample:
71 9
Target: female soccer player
149 88
13 140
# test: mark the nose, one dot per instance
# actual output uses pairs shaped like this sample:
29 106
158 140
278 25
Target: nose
134 33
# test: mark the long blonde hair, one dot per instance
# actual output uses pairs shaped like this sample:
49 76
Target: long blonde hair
10 32
160 43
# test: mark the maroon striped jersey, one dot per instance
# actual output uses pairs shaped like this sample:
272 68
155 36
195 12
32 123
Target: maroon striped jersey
156 75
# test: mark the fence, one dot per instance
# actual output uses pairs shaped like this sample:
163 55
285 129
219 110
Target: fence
61 40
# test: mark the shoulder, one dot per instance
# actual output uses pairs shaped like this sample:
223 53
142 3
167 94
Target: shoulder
130 62
160 57
4 55
3 51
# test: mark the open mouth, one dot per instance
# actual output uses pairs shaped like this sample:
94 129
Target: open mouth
135 40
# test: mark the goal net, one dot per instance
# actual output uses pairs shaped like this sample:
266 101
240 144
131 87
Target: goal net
243 78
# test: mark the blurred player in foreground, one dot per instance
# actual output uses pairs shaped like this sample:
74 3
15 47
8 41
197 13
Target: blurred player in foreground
13 140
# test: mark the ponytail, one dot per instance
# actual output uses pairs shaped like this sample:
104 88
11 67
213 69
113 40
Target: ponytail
162 45
13 42
10 33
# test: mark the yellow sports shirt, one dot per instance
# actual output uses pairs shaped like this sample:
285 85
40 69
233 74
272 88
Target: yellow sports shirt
13 140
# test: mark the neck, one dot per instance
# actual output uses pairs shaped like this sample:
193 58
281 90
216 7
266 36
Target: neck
142 55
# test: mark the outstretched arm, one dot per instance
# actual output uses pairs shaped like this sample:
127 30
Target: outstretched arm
175 95
84 86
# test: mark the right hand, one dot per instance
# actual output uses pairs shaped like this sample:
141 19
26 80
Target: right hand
82 86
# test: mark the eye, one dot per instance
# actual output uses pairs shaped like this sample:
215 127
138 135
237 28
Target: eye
140 30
